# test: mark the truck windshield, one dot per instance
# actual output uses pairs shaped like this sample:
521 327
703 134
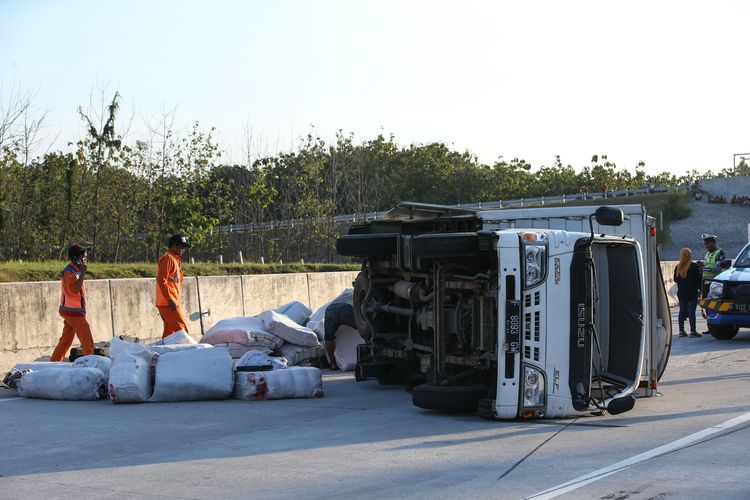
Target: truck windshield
743 260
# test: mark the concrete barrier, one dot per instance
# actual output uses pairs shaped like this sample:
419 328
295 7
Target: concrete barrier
268 291
323 285
219 297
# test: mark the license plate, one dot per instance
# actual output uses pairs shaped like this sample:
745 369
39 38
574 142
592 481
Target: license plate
513 326
741 308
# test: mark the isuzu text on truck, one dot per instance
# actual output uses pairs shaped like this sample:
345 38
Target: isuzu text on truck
544 312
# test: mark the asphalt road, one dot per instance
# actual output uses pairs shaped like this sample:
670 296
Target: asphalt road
367 441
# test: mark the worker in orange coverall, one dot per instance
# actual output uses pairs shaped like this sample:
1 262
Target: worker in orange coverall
73 305
168 280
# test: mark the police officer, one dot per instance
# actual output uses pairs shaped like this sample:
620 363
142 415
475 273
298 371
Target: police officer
712 259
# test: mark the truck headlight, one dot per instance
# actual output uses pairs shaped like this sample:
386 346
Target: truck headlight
715 289
533 387
534 258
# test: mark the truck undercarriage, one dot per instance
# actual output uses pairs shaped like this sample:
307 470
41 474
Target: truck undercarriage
510 323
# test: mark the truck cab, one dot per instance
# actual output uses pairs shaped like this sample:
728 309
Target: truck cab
513 314
728 301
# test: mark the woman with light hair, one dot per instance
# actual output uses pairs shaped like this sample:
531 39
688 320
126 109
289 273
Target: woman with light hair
688 279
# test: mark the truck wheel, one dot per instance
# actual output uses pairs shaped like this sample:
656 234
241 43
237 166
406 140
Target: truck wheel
367 245
361 285
723 332
445 244
452 398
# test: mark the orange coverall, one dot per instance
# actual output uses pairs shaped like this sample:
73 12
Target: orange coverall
168 279
73 310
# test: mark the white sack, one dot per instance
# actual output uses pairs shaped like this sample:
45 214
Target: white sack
242 330
38 366
292 332
347 340
257 358
194 375
295 382
178 337
93 361
316 322
296 311
296 354
236 351
162 349
76 384
130 376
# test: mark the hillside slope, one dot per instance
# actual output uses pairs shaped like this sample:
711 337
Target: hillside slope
728 222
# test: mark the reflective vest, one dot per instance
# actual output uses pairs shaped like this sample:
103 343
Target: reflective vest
72 302
168 279
709 261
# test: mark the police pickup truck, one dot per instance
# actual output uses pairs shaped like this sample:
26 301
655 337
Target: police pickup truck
523 313
728 301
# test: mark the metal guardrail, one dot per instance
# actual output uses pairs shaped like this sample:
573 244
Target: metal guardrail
481 205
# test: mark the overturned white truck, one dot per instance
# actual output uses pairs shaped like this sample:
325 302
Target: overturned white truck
523 313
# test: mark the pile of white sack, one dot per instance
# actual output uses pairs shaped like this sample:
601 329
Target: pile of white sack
290 332
178 369
261 357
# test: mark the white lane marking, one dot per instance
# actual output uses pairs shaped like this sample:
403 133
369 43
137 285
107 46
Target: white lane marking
9 399
661 450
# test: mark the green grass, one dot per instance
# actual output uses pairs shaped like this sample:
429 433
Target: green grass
50 270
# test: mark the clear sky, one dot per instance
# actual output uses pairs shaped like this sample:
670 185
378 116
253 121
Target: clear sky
665 82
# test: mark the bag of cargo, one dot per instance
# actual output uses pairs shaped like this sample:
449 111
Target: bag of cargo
294 382
79 383
236 351
11 378
94 361
193 375
294 333
130 375
296 311
297 354
163 349
257 358
178 337
347 340
244 331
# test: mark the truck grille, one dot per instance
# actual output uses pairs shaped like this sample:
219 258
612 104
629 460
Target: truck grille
533 327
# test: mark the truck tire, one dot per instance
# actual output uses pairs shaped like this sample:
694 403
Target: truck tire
723 332
367 245
361 285
451 398
445 244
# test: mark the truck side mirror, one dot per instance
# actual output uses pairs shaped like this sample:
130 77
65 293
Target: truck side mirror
609 216
725 264
621 405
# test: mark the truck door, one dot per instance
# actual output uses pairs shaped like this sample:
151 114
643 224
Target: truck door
661 328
